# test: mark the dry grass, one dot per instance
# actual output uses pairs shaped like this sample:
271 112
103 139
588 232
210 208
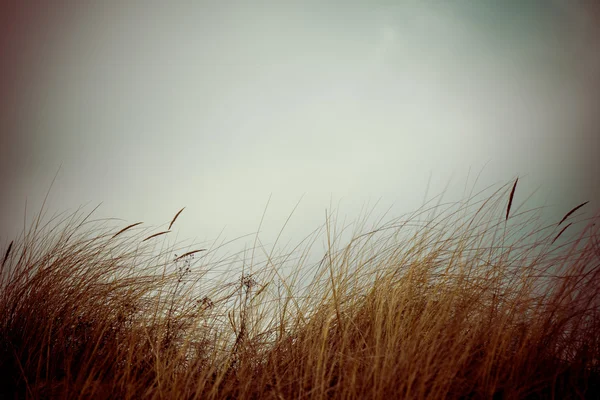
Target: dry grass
458 301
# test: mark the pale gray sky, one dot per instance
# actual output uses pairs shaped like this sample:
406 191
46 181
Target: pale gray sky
150 107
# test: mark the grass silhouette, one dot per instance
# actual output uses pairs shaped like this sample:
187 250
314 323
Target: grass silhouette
468 300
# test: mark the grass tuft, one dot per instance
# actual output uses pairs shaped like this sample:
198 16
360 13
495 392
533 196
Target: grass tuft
456 301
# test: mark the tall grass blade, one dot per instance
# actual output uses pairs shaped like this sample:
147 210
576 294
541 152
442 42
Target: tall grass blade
189 253
7 253
571 212
175 218
510 200
561 231
125 229
155 235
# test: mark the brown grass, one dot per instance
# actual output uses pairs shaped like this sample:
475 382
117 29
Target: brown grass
126 229
511 197
175 218
454 301
567 215
155 235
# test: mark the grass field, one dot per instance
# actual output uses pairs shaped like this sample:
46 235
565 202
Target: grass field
475 299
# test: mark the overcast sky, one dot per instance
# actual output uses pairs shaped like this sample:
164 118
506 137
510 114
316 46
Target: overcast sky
148 107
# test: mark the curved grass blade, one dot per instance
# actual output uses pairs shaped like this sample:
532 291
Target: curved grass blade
175 217
510 200
572 211
560 233
155 235
189 253
126 228
7 253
